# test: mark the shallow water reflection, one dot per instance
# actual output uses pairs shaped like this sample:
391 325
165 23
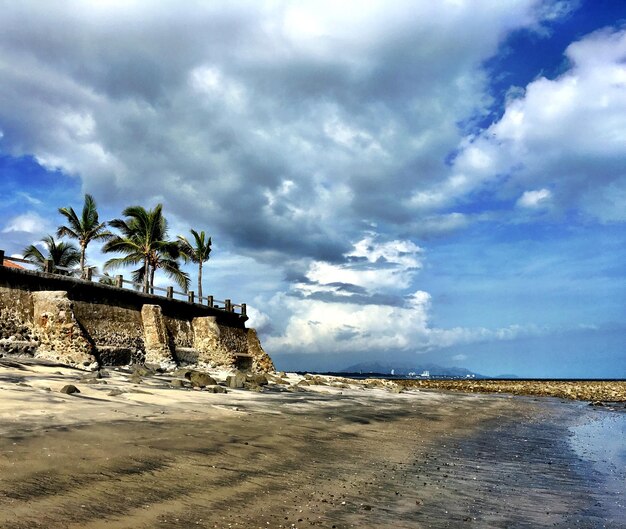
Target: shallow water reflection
602 441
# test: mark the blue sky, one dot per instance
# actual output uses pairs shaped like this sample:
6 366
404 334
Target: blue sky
401 182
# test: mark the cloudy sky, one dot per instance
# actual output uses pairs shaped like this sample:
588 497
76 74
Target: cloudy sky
402 182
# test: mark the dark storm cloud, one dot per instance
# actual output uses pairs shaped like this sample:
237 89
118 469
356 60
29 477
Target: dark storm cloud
283 127
353 299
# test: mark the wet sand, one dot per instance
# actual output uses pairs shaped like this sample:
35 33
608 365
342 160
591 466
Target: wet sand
154 456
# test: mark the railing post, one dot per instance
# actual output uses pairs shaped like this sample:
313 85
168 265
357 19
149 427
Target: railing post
190 296
1 257
228 306
170 292
119 281
209 301
88 273
48 266
244 309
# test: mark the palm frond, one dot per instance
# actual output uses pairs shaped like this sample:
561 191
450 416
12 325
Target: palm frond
33 253
116 262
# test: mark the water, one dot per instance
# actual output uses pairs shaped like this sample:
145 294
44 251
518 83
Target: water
601 441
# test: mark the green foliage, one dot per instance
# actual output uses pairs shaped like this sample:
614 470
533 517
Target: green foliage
85 228
198 252
61 254
143 241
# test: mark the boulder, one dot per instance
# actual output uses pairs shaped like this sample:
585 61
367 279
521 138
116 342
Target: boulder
177 383
143 371
236 381
200 380
258 379
69 389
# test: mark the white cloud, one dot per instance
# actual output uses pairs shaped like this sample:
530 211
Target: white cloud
534 199
317 326
28 223
339 307
258 319
29 198
372 264
564 137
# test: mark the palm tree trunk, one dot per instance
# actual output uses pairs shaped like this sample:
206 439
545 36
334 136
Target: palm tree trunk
146 276
83 249
200 281
152 271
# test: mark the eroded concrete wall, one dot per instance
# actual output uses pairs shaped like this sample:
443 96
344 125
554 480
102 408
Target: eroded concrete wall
61 338
117 331
89 324
16 333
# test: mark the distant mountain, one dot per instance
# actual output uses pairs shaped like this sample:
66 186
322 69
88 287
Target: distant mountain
433 369
507 376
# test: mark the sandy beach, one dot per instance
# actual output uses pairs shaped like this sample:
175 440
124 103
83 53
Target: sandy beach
139 453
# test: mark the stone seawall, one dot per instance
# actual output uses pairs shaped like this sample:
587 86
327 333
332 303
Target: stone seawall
88 324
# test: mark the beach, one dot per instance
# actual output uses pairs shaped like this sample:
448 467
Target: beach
138 452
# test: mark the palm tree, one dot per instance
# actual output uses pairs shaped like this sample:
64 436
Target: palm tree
143 241
60 253
106 279
85 229
197 253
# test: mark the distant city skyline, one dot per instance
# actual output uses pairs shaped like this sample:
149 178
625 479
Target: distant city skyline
404 182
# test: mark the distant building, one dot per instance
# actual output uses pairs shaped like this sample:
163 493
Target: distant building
11 264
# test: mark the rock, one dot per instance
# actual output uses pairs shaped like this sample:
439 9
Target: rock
143 371
236 381
200 380
177 383
115 392
303 383
216 389
258 379
69 389
135 378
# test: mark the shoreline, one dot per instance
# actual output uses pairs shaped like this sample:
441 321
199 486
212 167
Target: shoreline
580 390
320 456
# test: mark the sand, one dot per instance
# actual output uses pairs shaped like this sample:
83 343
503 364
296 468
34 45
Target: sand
125 455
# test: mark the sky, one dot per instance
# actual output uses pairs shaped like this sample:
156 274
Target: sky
400 182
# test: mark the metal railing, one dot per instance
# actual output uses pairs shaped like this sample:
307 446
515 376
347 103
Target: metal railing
118 281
